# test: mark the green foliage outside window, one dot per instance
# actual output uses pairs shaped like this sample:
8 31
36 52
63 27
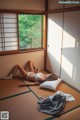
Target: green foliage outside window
30 31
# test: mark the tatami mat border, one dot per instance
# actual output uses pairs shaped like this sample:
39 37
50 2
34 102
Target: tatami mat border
30 90
71 86
53 117
15 95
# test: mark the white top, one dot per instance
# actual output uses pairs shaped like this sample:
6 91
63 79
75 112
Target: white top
35 75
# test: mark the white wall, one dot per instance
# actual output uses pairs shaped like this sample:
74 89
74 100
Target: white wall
70 70
9 61
69 36
23 4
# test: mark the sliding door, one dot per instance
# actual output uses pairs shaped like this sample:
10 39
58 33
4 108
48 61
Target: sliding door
55 26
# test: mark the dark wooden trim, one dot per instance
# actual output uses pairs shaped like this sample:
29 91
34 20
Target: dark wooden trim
71 86
20 11
45 34
3 53
46 5
45 42
20 52
63 10
14 95
54 117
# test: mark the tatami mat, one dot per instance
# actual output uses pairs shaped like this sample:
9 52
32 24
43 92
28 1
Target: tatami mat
10 87
23 107
64 88
73 115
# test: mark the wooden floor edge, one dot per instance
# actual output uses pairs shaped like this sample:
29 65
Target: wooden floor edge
71 86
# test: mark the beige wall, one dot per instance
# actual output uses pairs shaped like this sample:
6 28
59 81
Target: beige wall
55 4
9 61
23 4
73 5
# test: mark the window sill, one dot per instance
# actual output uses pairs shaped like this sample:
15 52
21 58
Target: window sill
31 50
21 51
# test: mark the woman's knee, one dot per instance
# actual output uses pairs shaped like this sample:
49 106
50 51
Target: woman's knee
29 62
17 66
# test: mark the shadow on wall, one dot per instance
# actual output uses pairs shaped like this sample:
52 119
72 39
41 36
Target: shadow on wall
70 62
70 67
71 45
53 64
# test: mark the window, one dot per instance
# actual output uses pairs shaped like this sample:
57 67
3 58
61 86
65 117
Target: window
8 32
30 31
20 32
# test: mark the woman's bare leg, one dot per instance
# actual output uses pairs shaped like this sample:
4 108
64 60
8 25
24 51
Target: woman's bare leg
21 69
30 67
34 67
12 71
27 67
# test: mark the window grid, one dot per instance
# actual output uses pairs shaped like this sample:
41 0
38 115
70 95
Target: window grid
9 34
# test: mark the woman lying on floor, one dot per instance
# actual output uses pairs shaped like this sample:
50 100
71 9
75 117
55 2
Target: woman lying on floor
30 73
